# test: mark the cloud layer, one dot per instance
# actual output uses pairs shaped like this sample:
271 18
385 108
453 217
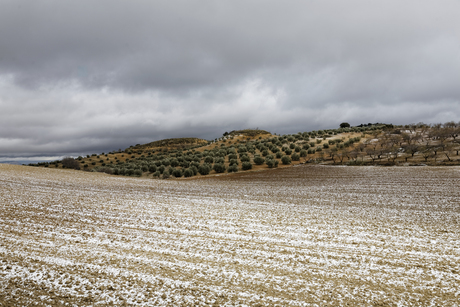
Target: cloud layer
84 76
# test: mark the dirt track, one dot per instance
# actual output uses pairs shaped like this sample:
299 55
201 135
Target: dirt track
307 235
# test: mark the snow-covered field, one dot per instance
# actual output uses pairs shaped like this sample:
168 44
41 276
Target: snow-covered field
302 236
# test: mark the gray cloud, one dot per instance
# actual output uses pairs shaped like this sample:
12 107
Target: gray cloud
79 76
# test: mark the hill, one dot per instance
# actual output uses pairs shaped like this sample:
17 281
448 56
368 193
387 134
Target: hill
171 144
254 149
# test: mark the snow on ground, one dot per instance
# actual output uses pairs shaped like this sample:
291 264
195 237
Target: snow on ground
303 236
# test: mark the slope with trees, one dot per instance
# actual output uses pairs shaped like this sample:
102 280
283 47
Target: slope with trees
254 149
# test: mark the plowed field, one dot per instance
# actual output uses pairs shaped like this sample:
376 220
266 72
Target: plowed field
301 236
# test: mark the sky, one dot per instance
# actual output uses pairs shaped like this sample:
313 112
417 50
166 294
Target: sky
82 77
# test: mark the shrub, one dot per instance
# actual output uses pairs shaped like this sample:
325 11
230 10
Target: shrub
204 169
196 159
233 162
288 151
188 173
295 157
219 160
194 164
264 153
232 157
279 155
161 169
244 158
137 172
144 168
258 160
286 160
209 160
194 169
69 162
271 163
303 153
174 162
166 175
156 174
177 173
152 168
219 168
292 146
246 165
232 168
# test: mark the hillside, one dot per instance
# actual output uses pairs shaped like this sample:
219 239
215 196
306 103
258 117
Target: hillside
170 144
253 149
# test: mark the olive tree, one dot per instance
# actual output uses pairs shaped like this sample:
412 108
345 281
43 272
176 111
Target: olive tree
246 165
286 160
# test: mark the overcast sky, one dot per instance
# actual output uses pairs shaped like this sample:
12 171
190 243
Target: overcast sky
90 76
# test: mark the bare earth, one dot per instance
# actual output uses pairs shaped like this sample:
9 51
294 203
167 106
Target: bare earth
301 236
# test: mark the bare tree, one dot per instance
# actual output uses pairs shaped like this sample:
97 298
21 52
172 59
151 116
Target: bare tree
372 153
449 151
396 139
361 147
411 149
354 154
427 152
393 153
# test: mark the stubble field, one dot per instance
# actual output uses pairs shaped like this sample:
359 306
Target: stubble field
301 236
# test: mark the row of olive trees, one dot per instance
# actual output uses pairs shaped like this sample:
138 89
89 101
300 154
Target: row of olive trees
224 158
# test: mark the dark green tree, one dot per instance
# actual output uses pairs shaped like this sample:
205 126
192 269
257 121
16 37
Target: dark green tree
286 160
258 160
219 168
246 165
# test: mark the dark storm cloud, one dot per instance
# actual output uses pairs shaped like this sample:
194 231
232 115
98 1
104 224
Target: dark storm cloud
92 75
